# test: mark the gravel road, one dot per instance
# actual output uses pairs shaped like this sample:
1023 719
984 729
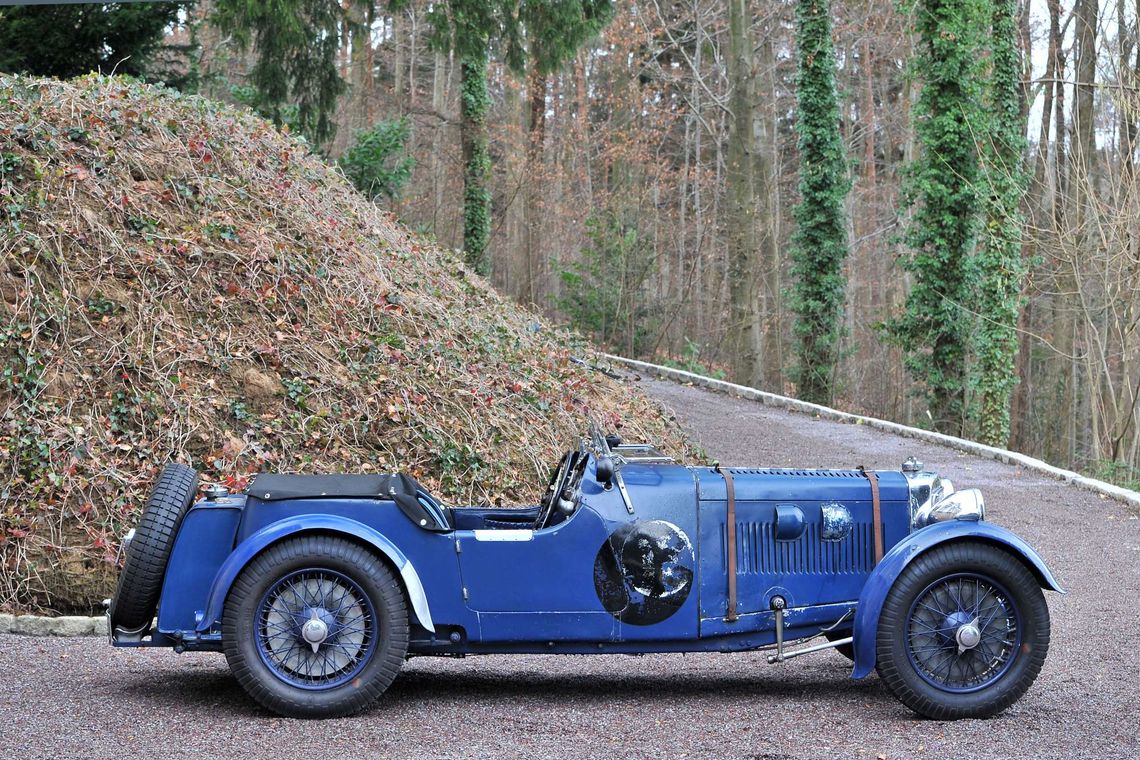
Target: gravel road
71 698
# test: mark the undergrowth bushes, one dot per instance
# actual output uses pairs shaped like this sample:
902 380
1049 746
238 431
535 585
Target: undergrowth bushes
178 280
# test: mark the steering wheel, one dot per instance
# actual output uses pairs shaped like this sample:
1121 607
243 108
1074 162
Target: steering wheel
557 483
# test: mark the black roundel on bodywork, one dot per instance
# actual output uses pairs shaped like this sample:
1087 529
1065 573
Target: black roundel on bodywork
644 571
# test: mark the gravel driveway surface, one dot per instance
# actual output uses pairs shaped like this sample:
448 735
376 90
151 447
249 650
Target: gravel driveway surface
72 698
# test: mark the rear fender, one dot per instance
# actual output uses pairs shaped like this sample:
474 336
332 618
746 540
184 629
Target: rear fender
883 577
299 525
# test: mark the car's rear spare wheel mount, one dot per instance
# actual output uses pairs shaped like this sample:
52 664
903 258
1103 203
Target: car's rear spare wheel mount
148 550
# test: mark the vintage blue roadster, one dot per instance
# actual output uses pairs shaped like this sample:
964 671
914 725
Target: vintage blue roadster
317 588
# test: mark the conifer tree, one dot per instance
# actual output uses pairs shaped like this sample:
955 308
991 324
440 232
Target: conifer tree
820 239
70 40
296 43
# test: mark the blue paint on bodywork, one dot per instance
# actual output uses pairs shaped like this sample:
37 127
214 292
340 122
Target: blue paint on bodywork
321 522
887 571
805 571
205 539
546 589
660 494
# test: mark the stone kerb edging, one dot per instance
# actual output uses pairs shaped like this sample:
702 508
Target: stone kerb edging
69 625
972 447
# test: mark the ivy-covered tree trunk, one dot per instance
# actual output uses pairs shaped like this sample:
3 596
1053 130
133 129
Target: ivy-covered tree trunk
474 102
941 185
536 137
999 264
820 239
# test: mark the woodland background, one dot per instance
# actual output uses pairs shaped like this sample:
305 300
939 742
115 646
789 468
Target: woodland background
613 205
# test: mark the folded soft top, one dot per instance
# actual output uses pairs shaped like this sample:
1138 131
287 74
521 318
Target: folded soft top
403 489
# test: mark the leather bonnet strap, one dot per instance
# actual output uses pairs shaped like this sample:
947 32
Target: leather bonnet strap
876 512
730 615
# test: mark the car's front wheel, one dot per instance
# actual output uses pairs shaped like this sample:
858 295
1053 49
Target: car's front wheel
963 633
315 627
847 650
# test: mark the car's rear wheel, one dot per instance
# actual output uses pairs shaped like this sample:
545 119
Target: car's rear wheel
140 582
315 627
963 633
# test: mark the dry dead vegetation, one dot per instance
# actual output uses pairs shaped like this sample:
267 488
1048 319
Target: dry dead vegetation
178 280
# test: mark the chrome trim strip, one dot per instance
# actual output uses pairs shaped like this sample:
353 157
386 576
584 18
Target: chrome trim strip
521 534
417 596
624 493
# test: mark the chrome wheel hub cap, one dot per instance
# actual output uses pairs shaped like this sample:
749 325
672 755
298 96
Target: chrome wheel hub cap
968 636
314 631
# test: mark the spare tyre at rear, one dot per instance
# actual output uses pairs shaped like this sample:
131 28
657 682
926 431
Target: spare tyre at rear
140 582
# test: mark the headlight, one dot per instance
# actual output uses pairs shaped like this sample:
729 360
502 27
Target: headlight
959 505
942 488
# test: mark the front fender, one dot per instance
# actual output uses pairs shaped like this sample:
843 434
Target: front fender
883 577
311 523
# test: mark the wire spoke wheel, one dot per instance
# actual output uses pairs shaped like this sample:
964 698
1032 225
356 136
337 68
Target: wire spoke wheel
336 611
962 632
316 627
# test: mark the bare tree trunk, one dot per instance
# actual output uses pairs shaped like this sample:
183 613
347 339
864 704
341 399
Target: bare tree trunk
211 54
744 331
511 278
413 29
910 151
342 52
868 117
438 107
399 65
1084 147
535 171
1080 180
769 348
1040 214
360 72
1025 41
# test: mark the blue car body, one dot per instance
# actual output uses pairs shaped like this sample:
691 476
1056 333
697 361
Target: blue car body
634 561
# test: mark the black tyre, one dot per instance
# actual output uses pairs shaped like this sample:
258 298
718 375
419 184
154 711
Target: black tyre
315 627
140 582
963 632
847 650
